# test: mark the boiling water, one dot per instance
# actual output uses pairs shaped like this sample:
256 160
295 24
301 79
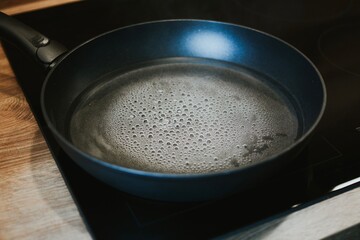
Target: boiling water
183 117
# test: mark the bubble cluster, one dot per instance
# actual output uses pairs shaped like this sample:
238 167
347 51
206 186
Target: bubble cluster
183 118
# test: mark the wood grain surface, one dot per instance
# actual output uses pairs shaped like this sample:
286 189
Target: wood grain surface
19 6
34 201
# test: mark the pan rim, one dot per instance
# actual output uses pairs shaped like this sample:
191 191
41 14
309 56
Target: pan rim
143 173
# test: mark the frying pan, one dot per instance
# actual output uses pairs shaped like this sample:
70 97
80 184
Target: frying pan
177 110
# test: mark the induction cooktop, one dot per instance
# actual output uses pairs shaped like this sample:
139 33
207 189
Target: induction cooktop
328 32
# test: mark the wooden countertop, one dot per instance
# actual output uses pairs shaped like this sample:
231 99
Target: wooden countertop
34 201
36 204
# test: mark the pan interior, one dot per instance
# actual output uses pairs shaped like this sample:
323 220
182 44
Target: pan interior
184 116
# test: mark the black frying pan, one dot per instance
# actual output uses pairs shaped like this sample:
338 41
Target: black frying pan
178 110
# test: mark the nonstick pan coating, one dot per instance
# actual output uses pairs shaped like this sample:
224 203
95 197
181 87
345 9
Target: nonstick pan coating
267 96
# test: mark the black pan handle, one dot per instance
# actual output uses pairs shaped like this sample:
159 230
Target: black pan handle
39 47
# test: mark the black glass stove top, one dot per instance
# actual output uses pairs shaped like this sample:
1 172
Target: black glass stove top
328 32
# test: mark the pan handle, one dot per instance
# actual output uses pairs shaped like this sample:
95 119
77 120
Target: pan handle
39 47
